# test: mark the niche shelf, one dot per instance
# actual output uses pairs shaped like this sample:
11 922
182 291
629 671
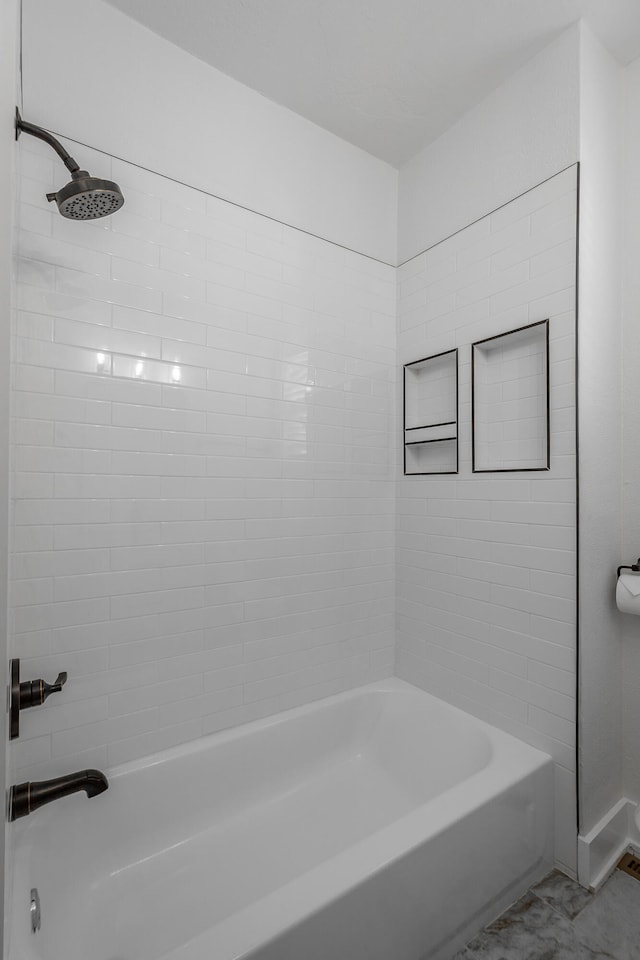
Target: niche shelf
510 401
430 391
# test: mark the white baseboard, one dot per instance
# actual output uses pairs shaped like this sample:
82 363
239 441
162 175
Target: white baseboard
601 848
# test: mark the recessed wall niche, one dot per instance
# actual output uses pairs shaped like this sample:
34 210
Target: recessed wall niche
510 400
430 390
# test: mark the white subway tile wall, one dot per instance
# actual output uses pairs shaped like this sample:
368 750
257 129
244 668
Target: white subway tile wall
202 467
207 441
486 590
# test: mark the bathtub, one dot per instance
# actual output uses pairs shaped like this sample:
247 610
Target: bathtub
380 823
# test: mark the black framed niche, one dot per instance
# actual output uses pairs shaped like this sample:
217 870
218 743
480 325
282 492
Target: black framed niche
510 401
430 409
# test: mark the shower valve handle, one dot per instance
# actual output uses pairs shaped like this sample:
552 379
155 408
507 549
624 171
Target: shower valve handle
29 693
33 693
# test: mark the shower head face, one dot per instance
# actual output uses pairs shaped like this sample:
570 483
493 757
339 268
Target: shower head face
87 198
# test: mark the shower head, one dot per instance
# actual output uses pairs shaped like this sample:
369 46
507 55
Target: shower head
87 198
84 197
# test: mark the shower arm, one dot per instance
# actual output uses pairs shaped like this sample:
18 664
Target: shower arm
23 127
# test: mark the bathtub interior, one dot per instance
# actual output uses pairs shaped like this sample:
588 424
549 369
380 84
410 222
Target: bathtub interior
193 836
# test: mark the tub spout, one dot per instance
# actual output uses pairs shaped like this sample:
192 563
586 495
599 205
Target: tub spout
24 798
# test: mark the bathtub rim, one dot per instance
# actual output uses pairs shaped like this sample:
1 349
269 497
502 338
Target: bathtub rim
275 720
511 760
284 908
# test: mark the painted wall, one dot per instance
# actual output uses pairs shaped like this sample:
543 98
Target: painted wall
526 131
203 494
599 360
630 626
487 562
93 74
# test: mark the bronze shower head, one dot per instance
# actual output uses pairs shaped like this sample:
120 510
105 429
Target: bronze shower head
87 198
84 197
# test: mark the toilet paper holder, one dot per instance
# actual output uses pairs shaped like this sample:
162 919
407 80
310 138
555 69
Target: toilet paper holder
634 567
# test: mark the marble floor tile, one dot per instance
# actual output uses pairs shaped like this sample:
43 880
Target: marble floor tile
611 923
530 928
563 894
558 920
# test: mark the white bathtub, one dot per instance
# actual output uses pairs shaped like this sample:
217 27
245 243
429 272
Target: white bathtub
379 824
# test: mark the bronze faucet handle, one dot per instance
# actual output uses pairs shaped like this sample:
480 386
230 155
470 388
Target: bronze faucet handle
56 686
28 693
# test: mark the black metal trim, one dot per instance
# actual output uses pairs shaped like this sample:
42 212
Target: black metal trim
419 443
14 699
577 446
404 419
457 416
507 333
429 426
446 423
514 470
433 356
500 336
473 412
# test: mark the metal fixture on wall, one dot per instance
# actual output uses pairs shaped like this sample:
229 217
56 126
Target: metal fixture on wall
34 910
29 693
84 197
24 798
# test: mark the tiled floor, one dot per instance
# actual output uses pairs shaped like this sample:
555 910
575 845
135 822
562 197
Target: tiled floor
559 920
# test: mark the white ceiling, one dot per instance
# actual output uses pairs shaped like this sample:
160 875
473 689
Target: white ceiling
386 75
